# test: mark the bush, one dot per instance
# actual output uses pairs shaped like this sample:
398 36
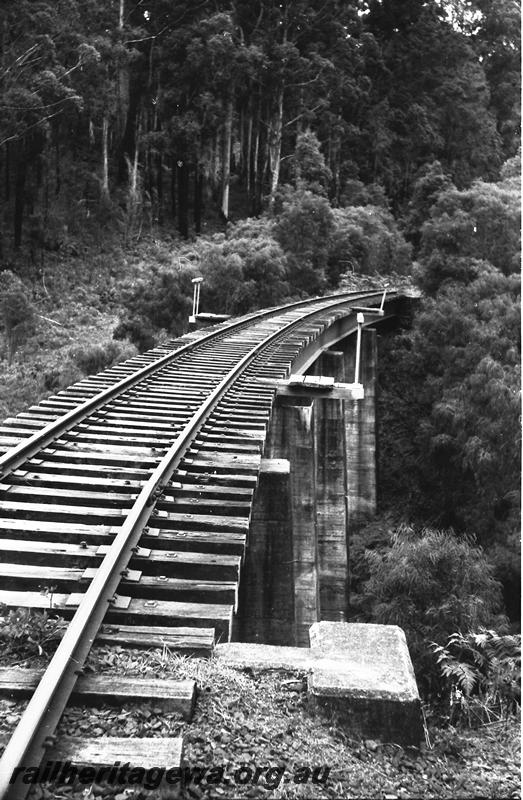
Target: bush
481 674
16 311
160 301
95 358
366 240
430 584
245 270
139 331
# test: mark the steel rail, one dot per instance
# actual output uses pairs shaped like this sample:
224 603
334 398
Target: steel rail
35 730
17 455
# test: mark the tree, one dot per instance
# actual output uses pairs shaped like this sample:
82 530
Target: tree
245 270
469 227
303 229
434 101
496 36
308 166
430 183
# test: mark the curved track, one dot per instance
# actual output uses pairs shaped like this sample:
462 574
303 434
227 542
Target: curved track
126 498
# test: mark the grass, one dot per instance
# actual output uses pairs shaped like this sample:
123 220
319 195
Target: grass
252 722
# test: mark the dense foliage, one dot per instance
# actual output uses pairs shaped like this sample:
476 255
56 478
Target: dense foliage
482 673
130 115
450 385
430 583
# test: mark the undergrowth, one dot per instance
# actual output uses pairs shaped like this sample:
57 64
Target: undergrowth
25 633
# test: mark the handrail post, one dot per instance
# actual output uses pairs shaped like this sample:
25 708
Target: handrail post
195 299
360 318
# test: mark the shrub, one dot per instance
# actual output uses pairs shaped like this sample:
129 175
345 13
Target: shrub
245 270
159 301
481 674
16 311
430 584
97 357
139 331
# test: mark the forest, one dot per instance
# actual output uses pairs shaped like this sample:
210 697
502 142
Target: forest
279 149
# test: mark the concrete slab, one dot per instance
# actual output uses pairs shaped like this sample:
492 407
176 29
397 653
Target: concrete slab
264 656
364 673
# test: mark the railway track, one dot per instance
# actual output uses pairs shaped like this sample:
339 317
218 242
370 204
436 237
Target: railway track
125 499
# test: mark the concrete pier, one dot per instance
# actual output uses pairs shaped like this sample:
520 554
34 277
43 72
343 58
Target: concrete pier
328 439
291 437
266 589
360 434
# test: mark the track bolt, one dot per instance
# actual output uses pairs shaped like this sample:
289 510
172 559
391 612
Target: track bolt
48 742
145 530
124 573
83 544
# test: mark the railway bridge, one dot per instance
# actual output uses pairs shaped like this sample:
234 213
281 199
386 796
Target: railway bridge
202 492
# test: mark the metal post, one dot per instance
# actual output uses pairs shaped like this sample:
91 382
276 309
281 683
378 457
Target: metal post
195 299
360 318
198 286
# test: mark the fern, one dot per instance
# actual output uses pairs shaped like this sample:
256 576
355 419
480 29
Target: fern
481 672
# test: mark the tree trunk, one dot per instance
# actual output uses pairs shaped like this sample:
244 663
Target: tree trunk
248 157
226 160
215 171
275 136
134 176
183 212
197 198
128 141
57 175
173 187
7 173
105 158
19 198
257 174
159 187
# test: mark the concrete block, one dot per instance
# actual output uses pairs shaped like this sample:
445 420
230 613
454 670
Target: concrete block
364 673
264 656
